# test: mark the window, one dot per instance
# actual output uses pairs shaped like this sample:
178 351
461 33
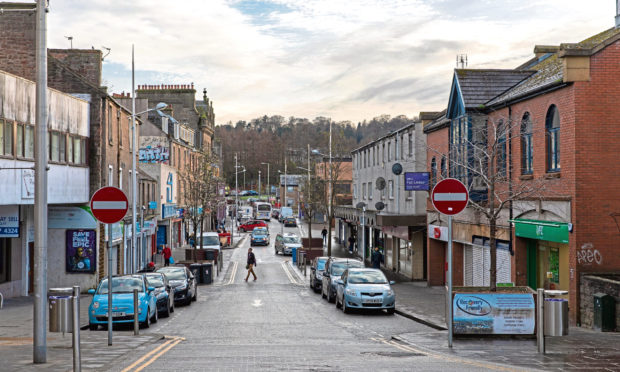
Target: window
370 190
120 178
110 138
130 186
19 141
364 156
527 147
120 127
552 125
62 147
396 147
402 146
29 142
433 171
6 137
444 168
501 148
383 154
409 194
70 150
354 191
363 191
410 144
79 150
5 260
54 146
389 158
391 189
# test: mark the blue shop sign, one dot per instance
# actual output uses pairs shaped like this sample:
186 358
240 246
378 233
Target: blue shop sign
9 221
168 210
152 205
416 181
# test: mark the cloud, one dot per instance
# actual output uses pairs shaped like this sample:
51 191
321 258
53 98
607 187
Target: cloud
345 59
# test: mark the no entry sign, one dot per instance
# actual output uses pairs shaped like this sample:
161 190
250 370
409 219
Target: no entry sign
450 196
109 204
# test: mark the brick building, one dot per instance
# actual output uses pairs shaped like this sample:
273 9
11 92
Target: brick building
559 138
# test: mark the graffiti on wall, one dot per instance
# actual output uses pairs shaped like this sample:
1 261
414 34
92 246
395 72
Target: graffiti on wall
156 154
587 255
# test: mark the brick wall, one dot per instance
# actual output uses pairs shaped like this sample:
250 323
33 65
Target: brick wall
86 62
17 40
591 284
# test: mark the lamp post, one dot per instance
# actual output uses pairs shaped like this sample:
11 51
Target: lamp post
134 183
259 184
268 185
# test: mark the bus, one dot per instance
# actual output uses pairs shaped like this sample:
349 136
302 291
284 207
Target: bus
262 211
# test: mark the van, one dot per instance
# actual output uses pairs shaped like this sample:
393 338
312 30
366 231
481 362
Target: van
209 240
286 212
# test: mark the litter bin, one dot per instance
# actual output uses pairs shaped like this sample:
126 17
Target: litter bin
207 272
210 255
196 270
604 312
556 316
61 310
294 254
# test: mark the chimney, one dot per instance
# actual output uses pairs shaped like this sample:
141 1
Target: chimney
617 13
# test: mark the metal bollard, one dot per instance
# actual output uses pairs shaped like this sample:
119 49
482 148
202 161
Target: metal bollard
540 329
305 265
136 323
77 359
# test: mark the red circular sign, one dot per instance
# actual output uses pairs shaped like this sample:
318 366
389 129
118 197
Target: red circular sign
450 196
109 204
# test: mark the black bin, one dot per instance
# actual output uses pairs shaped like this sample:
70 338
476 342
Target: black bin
206 270
211 254
604 312
196 270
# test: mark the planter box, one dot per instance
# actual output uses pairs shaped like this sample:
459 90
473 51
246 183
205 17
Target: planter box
315 243
507 311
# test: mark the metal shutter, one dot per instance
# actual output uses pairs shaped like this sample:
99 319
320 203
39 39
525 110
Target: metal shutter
468 266
478 266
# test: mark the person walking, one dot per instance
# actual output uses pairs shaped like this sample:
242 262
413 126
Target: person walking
167 254
376 258
250 265
351 243
324 233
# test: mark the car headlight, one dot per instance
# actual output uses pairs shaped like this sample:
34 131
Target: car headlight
389 292
95 305
350 292
319 275
182 287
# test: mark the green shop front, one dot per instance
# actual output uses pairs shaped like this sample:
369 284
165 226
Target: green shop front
547 252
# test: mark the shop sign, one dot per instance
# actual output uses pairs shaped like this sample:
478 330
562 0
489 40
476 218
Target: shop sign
494 313
438 232
70 218
81 251
542 230
168 210
416 181
152 205
9 221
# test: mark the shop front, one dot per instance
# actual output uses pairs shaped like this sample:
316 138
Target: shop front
547 252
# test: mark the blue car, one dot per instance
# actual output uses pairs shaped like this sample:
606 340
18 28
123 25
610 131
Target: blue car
360 288
122 302
260 236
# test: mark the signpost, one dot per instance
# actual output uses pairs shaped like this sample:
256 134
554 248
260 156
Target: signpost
109 205
449 197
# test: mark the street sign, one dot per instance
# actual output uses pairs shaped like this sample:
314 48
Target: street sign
109 204
450 197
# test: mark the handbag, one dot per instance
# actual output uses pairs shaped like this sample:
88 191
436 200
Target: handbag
171 260
247 267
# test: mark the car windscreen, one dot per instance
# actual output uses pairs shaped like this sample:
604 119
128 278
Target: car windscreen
210 240
368 277
320 265
155 280
176 274
121 285
292 240
258 231
263 207
337 268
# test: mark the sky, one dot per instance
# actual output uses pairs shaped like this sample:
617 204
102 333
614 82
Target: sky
343 59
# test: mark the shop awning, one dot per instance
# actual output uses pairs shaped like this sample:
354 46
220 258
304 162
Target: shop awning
541 230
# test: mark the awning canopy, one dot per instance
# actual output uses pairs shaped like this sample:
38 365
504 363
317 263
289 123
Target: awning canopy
542 230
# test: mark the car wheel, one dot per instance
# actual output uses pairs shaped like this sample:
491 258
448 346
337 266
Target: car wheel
345 309
155 317
166 313
323 294
147 321
337 303
172 307
195 295
93 327
329 296
391 311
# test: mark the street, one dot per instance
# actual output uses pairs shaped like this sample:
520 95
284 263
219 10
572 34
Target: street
278 323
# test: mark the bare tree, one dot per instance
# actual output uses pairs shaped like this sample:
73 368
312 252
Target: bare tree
313 198
481 157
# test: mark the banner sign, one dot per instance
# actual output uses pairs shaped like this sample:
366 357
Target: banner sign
70 218
494 313
81 251
9 221
416 181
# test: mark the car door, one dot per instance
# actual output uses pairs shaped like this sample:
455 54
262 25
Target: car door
325 281
340 287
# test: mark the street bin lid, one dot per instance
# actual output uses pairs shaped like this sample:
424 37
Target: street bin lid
59 291
555 292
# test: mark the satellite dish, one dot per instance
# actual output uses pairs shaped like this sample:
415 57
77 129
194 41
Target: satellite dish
360 205
397 169
380 183
379 206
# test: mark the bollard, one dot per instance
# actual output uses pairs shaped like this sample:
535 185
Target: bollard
540 329
77 359
305 265
136 323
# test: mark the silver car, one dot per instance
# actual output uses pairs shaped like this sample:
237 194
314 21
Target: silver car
286 242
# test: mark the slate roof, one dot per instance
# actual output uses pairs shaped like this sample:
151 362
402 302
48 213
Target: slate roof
440 121
480 86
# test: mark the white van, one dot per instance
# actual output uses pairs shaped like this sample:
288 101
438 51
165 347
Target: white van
209 240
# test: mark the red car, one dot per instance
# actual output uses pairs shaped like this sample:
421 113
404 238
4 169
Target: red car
251 224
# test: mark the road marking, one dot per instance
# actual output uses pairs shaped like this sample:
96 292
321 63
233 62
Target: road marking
285 268
257 303
234 274
156 356
148 354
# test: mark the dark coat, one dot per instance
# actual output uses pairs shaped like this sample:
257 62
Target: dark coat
324 232
251 259
376 259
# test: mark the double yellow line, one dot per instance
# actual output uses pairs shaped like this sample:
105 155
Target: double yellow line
154 354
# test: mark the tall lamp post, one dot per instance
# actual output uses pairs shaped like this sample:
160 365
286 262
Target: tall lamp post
259 184
268 185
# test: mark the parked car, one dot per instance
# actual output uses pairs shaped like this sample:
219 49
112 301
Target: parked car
182 282
316 273
333 269
259 236
252 192
251 224
164 296
122 300
286 242
289 221
364 289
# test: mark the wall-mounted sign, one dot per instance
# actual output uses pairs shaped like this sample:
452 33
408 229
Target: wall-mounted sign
169 188
152 205
416 181
156 154
70 218
541 230
27 183
168 210
494 313
438 232
81 251
9 221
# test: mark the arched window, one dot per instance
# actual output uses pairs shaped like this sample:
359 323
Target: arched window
501 148
527 147
552 126
444 168
433 171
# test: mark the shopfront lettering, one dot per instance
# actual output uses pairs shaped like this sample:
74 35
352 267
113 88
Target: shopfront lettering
587 255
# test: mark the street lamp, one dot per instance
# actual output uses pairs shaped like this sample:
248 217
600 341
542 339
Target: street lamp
268 185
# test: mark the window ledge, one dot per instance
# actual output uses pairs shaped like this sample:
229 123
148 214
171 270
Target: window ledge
550 175
525 177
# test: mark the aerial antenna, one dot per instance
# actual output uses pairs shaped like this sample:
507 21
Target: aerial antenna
107 54
70 38
461 60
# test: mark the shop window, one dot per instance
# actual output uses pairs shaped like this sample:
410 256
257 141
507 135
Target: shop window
5 260
552 126
527 146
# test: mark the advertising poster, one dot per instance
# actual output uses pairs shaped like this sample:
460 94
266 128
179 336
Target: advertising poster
81 251
494 313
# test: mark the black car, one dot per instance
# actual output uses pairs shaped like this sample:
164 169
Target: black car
163 293
334 267
289 221
183 283
316 273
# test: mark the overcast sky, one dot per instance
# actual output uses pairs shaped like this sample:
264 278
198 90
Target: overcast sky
344 59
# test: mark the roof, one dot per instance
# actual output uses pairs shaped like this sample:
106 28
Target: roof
440 121
479 86
592 44
390 134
